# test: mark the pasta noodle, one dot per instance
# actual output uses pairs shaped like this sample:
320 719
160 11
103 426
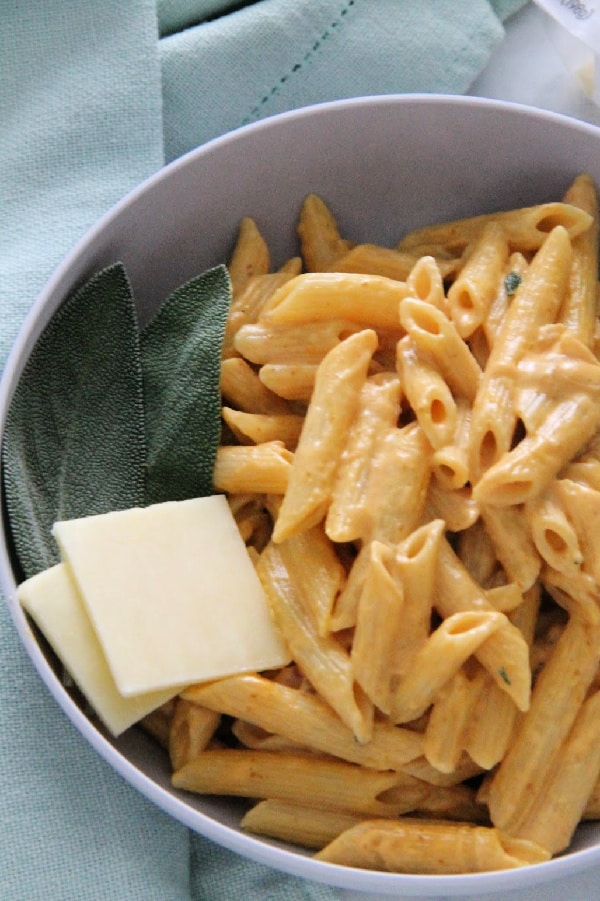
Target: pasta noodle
411 452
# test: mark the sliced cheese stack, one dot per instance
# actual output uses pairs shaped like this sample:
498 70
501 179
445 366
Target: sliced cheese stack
151 599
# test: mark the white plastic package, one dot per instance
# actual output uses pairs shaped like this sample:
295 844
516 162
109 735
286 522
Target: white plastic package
574 29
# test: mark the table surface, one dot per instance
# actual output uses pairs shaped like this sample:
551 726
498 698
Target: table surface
528 68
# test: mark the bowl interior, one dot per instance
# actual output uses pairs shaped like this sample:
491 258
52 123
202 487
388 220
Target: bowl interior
384 165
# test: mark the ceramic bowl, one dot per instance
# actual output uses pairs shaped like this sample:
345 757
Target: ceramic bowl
384 164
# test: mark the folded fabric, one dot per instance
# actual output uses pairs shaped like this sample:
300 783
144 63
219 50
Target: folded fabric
84 116
276 55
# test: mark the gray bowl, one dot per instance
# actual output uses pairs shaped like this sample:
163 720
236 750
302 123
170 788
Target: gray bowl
385 164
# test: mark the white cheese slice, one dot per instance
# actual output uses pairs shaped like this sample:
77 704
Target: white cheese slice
172 593
54 603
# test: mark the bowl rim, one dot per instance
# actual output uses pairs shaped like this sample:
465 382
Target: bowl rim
248 846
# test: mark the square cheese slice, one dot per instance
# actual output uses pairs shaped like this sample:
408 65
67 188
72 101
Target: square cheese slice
52 600
172 593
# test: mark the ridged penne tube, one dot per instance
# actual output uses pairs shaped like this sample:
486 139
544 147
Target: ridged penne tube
316 572
525 228
451 462
320 240
346 605
582 507
505 654
261 428
319 782
397 486
330 414
446 649
449 718
477 553
427 847
426 281
322 658
369 300
192 728
576 770
256 739
248 302
494 716
378 411
536 303
250 256
378 622
422 769
297 823
471 294
527 469
260 342
510 534
427 392
514 273
578 311
578 593
557 696
306 719
415 563
290 382
434 334
261 468
157 723
372 259
456 507
584 472
241 388
553 534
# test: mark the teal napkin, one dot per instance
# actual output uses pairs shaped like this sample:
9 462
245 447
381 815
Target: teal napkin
275 55
95 97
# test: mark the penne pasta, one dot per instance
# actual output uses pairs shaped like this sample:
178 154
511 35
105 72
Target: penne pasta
263 428
578 310
320 239
378 623
398 481
306 720
436 335
411 454
334 404
250 257
409 846
261 468
444 652
473 291
370 301
558 694
427 392
242 389
322 658
526 229
378 410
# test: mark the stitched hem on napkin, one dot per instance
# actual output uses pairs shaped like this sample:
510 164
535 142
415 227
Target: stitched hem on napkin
277 55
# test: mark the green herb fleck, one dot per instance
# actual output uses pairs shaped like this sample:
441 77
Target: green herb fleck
504 676
512 282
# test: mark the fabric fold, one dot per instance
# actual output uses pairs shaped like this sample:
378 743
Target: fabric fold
276 55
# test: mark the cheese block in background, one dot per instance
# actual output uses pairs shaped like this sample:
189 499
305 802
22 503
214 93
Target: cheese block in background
172 593
53 602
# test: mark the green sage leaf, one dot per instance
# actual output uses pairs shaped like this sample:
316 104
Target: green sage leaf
181 363
74 443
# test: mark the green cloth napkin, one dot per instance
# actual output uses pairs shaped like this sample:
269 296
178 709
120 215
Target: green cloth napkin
93 100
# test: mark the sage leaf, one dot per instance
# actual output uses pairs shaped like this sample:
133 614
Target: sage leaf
74 443
181 363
